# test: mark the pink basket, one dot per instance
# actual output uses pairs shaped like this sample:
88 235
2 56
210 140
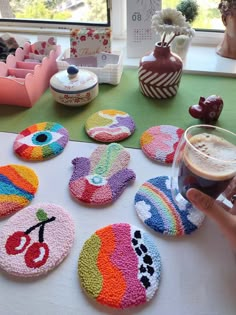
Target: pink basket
22 83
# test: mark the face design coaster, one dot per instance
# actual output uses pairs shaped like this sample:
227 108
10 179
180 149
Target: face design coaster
41 141
160 142
110 125
120 266
35 240
156 208
18 186
101 179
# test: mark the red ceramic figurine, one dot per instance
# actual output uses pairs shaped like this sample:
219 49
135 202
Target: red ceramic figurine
208 109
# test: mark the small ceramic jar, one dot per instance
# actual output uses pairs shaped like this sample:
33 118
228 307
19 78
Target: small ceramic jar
74 87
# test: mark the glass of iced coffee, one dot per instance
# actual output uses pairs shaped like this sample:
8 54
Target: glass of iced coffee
205 159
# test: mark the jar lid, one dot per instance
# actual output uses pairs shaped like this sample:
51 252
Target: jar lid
73 80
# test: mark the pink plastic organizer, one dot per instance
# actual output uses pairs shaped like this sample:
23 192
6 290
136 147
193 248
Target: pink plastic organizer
22 82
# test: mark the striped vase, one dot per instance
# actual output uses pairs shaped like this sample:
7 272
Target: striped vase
160 73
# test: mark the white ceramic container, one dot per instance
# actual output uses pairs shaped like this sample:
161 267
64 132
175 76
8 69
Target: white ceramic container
74 86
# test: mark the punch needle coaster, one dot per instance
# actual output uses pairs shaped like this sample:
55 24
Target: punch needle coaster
159 143
41 141
35 240
110 125
120 266
156 208
18 186
101 179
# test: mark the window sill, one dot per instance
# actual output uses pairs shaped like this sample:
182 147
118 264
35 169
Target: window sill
200 59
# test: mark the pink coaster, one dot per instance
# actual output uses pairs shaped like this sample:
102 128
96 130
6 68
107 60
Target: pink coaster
160 142
35 240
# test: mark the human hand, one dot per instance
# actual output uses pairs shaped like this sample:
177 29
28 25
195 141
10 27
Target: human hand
223 215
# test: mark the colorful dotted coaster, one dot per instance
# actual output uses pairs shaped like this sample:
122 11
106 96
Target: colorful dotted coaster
160 142
41 141
120 266
156 208
18 186
110 125
101 179
35 240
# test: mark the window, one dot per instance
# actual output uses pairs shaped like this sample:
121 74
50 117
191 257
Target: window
209 17
208 20
52 12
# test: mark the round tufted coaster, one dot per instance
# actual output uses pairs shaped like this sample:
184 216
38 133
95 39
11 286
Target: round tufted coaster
160 142
18 185
101 179
120 266
110 125
35 240
41 141
156 208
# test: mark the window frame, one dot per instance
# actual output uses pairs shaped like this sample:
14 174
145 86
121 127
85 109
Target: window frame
39 25
117 20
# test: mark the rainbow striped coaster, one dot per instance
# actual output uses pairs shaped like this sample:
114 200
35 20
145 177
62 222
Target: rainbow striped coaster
102 178
35 240
120 266
18 186
159 143
156 208
110 125
41 141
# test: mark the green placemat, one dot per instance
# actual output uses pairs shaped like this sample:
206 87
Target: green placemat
127 97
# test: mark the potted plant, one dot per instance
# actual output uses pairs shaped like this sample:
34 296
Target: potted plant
189 9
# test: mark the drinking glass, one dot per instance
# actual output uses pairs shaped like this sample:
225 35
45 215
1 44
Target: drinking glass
205 159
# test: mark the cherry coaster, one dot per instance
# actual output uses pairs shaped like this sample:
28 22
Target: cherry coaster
159 143
120 266
110 125
35 240
41 141
156 208
18 186
102 178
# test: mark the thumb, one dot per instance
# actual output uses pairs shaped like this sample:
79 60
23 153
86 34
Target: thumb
212 209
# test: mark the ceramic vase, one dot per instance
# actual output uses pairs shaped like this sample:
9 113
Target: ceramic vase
160 73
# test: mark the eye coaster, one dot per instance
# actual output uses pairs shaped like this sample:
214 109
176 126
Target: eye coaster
41 141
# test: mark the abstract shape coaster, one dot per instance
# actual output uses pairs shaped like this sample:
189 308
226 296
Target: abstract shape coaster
156 208
101 179
110 125
18 186
41 141
120 266
35 240
160 142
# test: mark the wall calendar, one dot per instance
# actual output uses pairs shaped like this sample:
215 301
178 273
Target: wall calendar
140 36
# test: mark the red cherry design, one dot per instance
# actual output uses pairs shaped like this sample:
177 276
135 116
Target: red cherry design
17 242
36 255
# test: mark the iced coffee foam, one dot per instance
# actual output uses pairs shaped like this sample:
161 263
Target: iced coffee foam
214 157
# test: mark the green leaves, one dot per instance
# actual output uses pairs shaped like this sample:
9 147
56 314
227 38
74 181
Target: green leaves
41 215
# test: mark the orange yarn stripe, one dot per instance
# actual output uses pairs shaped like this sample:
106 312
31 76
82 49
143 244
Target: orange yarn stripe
114 285
16 179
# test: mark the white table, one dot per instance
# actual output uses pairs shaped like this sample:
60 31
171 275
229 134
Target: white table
198 271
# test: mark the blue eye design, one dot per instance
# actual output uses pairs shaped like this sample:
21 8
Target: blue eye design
41 141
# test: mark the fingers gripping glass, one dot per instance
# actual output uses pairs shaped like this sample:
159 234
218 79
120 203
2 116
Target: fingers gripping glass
205 159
